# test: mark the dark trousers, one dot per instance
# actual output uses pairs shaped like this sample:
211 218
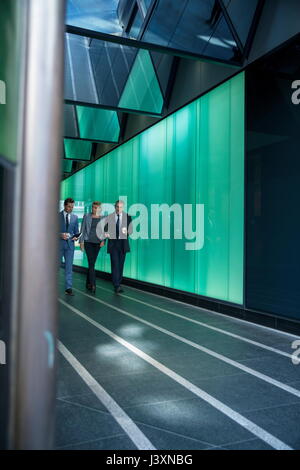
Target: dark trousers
117 259
92 250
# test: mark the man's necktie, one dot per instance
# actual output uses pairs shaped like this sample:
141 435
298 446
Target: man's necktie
118 226
67 222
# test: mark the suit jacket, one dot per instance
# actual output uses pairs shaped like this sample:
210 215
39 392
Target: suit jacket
110 228
86 227
73 230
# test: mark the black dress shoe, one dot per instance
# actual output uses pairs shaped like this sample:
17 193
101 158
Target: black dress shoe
118 290
88 286
69 292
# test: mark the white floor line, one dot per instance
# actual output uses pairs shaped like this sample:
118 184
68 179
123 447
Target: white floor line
126 423
219 330
226 410
248 370
213 312
222 315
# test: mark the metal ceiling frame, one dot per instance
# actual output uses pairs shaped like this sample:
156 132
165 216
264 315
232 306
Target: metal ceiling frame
139 44
149 46
110 108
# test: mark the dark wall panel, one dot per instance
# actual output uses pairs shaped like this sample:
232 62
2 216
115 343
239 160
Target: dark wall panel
273 194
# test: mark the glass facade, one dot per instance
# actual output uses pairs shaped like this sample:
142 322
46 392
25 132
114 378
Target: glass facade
98 15
194 156
10 74
111 66
107 74
136 25
142 90
147 3
192 26
216 29
242 13
98 124
222 43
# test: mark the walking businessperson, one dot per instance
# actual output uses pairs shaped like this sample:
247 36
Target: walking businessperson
91 243
69 233
118 227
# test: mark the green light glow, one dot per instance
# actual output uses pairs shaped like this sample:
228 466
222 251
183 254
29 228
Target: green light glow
194 156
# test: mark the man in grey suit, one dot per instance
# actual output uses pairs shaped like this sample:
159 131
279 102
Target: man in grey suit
118 227
69 232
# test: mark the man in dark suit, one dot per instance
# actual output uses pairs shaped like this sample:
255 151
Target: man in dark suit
118 227
69 233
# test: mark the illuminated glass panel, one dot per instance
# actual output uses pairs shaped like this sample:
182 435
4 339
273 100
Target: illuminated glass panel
12 47
76 149
98 124
142 89
194 156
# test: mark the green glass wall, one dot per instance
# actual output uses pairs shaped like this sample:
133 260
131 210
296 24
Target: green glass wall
11 27
194 156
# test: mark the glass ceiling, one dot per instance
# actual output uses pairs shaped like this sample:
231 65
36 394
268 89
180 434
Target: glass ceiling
190 26
107 74
142 90
241 13
94 124
77 149
97 15
98 124
216 29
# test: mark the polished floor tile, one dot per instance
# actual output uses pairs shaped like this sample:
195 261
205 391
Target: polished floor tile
169 415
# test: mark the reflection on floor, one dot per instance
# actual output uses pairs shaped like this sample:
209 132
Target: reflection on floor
141 371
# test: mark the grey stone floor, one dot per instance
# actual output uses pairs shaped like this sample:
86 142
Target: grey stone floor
170 415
